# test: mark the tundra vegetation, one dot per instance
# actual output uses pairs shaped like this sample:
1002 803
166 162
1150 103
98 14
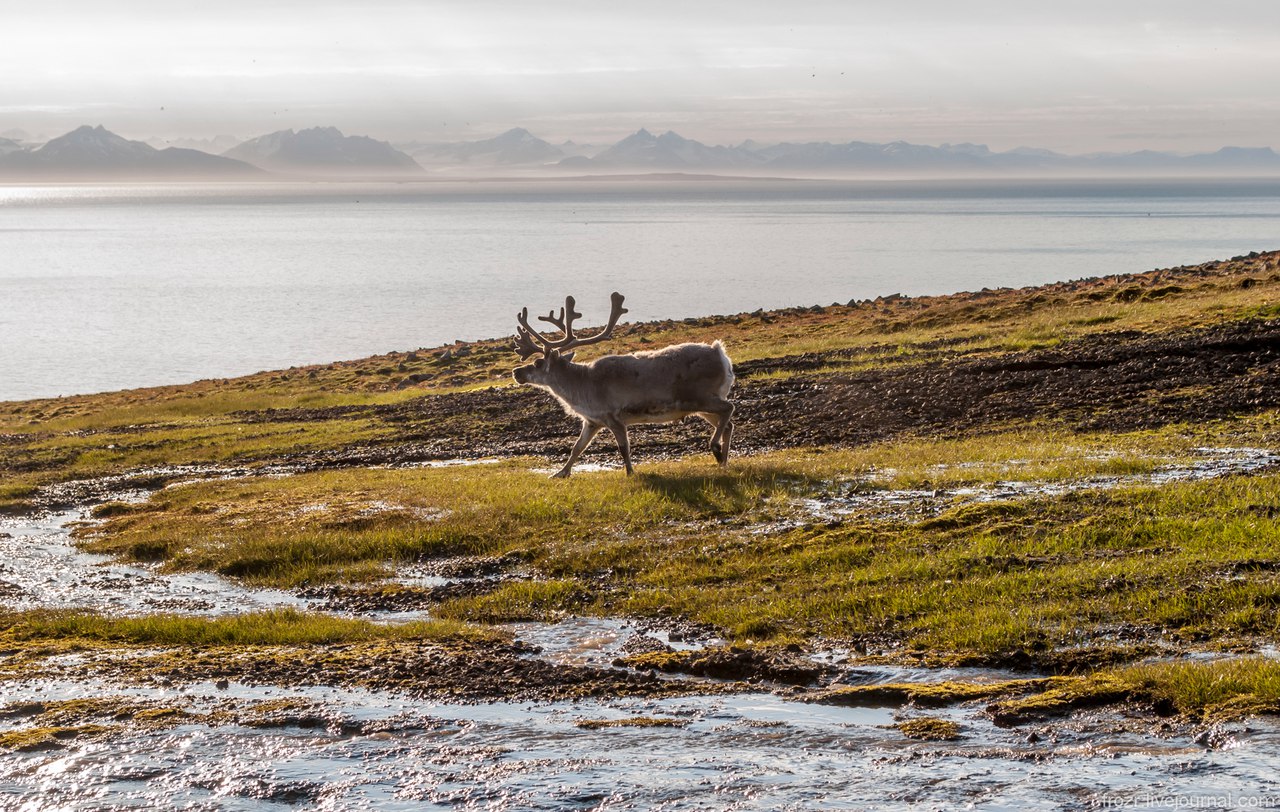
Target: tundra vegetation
1010 478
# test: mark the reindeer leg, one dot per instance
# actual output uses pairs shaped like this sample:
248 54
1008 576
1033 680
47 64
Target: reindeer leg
619 430
589 432
714 420
722 420
726 435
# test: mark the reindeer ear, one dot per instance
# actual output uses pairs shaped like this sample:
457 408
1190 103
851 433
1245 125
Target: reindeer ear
568 356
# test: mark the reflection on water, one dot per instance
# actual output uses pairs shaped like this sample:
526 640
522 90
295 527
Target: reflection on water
751 751
41 568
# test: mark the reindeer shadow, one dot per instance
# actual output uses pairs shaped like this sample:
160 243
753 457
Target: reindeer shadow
727 491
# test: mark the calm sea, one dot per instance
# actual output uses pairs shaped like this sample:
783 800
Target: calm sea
110 287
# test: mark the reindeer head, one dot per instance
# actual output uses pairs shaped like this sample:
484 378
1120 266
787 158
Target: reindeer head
530 342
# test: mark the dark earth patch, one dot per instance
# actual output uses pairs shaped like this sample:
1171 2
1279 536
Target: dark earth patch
1114 381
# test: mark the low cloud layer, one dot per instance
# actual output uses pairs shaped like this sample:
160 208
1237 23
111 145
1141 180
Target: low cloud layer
1084 77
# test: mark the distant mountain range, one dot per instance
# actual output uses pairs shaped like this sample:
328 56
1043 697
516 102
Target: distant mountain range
645 152
24 137
513 147
215 146
93 152
671 152
324 151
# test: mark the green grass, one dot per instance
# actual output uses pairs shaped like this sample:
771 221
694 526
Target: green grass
47 738
544 600
350 525
211 442
685 539
1224 688
1029 576
926 694
280 627
1197 691
1215 691
630 721
346 525
930 729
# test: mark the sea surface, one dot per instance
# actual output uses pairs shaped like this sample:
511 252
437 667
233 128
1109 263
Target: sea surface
121 286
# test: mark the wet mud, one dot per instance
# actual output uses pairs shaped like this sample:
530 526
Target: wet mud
394 597
787 667
461 672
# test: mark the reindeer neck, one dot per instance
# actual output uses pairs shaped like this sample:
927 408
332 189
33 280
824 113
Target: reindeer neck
568 385
570 373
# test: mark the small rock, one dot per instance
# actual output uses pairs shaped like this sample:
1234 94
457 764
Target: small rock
643 644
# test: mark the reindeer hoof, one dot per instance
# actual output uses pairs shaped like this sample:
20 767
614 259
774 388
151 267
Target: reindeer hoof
560 475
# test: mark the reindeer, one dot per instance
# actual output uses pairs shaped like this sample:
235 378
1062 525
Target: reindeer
617 391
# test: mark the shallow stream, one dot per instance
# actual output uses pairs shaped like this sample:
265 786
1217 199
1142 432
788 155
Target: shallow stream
747 751
875 502
384 751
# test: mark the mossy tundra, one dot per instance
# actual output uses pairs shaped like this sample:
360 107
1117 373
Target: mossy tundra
898 538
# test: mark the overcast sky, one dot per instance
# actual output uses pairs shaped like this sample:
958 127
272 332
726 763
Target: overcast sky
1077 77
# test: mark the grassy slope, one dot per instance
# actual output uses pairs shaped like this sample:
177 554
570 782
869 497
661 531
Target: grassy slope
683 538
1189 563
218 421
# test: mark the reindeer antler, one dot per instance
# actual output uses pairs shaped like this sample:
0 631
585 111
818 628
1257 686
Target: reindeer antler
525 337
530 342
564 323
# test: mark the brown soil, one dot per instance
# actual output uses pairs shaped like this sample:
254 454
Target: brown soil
464 672
753 665
1114 381
395 598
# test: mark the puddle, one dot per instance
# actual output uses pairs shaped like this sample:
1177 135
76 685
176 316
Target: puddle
919 504
581 468
450 463
746 752
594 641
41 567
137 484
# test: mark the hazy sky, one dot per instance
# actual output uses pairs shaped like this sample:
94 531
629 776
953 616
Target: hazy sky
1079 76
